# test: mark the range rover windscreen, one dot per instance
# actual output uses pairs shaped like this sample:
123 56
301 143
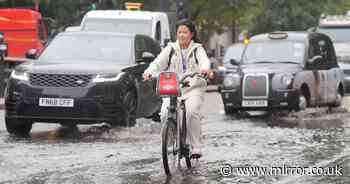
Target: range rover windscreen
84 48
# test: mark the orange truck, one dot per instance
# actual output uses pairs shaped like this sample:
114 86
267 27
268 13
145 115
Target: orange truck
22 29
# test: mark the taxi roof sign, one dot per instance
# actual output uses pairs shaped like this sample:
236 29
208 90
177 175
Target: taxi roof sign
133 6
278 35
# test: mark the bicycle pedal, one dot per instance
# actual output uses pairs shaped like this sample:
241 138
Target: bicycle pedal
196 156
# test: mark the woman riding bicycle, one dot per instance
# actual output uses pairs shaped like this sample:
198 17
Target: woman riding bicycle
185 56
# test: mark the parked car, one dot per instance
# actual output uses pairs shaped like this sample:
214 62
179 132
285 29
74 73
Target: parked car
235 52
284 70
153 24
21 29
83 78
337 27
213 75
346 69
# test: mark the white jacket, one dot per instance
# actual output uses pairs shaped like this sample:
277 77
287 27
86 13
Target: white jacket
197 84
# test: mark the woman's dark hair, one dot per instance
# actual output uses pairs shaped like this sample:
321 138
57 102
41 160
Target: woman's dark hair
191 27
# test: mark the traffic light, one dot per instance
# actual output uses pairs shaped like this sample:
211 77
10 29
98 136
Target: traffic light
181 9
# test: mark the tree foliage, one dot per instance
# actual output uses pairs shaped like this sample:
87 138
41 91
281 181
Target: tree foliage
258 16
294 15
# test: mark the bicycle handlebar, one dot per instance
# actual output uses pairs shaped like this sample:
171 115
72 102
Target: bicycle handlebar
182 81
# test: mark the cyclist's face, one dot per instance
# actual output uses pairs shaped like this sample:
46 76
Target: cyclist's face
184 35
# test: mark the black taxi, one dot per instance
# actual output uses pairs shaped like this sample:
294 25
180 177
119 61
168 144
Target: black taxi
284 71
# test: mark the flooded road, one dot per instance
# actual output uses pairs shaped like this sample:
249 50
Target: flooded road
98 154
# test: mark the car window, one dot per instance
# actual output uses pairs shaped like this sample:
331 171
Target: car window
119 25
140 46
158 32
233 52
337 34
322 46
88 48
41 31
328 53
152 46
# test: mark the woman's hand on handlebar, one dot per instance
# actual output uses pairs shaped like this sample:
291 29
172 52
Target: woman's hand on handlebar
204 73
147 76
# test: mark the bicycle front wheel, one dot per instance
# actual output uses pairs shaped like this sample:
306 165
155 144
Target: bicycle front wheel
169 146
185 147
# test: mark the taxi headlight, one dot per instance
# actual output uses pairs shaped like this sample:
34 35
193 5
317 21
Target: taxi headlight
286 80
282 81
231 81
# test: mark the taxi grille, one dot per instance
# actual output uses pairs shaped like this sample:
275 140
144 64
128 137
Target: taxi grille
255 86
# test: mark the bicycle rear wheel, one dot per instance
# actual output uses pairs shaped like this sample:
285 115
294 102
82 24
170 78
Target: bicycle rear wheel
185 148
169 146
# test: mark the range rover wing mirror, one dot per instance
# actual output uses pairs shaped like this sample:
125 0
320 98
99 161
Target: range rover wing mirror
147 57
32 54
166 41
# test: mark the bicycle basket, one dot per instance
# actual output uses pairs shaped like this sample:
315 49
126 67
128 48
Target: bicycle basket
168 84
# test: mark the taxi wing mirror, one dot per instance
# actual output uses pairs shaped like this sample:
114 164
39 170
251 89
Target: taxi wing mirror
315 59
234 62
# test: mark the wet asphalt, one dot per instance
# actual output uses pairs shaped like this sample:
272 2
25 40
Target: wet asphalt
100 154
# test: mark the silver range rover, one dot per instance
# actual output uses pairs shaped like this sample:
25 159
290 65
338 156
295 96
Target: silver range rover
284 71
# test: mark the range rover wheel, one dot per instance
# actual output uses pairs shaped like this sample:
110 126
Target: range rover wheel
18 127
156 117
130 106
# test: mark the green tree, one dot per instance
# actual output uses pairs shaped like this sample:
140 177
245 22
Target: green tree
223 15
286 15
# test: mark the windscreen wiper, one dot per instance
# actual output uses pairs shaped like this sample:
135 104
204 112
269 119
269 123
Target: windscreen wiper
290 62
262 62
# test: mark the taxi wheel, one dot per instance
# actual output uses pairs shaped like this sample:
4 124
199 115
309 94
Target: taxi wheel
230 110
18 127
302 102
338 99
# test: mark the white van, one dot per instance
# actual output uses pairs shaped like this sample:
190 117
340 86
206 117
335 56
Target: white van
153 24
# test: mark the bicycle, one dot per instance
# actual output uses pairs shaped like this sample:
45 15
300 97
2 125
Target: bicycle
174 147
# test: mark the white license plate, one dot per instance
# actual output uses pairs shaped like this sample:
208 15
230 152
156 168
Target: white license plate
56 102
254 103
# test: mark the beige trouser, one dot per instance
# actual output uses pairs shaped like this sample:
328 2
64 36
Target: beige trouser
193 118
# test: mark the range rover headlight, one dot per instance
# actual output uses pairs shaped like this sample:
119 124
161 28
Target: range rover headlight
20 75
231 81
107 77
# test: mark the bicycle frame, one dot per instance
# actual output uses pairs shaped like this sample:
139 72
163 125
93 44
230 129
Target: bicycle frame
169 86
